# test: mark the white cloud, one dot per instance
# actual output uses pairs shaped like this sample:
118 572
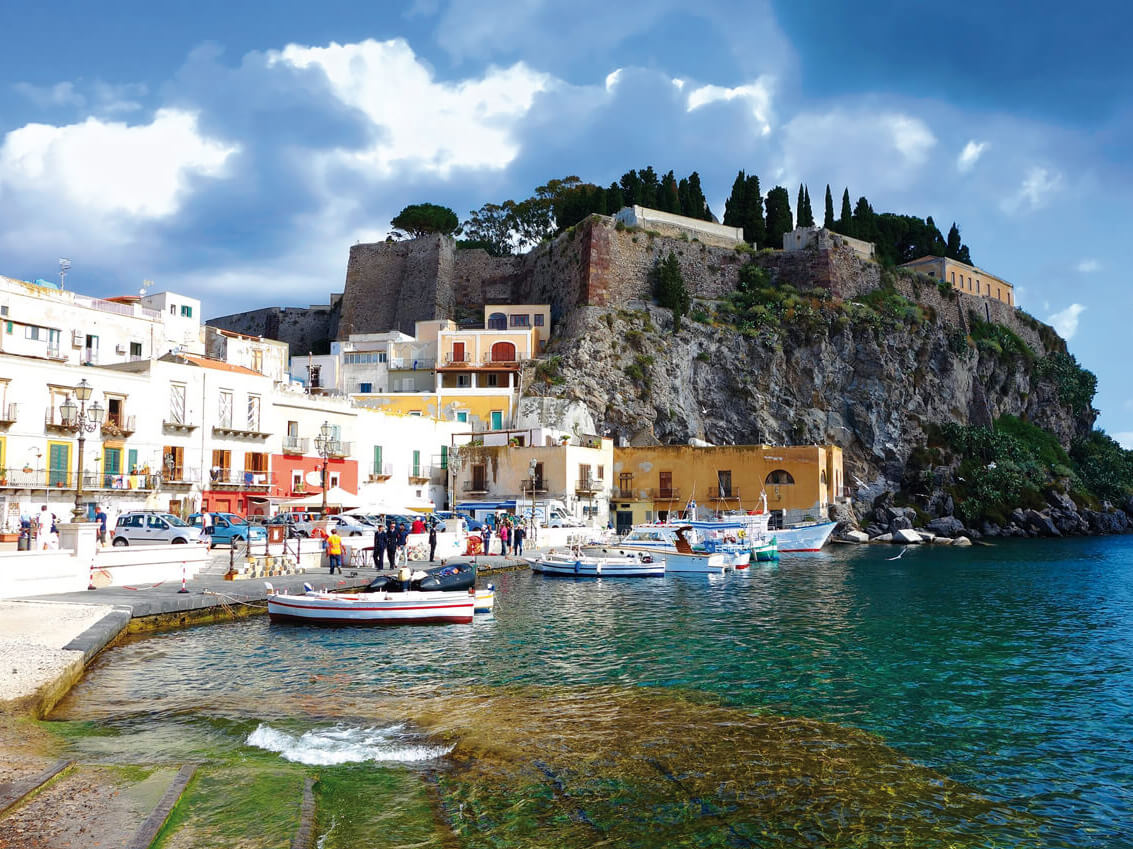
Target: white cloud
1087 266
423 124
757 94
1066 321
47 96
970 155
612 78
111 167
1125 439
1037 186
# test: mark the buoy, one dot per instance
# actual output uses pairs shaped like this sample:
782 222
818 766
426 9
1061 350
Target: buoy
184 589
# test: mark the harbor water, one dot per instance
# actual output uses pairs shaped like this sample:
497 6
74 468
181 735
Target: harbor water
976 697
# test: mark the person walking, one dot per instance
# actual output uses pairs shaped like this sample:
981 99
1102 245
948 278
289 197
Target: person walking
517 540
504 533
100 517
42 526
402 543
380 543
391 544
334 550
432 542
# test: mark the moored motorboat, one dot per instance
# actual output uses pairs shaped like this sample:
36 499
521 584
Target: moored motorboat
599 563
808 537
766 551
672 543
455 577
486 599
375 608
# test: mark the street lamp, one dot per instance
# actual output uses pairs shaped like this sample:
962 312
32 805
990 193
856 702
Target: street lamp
323 444
82 421
532 467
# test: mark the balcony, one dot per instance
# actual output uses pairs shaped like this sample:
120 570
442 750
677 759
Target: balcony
411 364
180 476
338 449
47 479
458 359
295 444
419 475
719 493
249 431
8 414
625 494
177 423
475 487
118 426
588 487
247 479
53 421
665 493
381 472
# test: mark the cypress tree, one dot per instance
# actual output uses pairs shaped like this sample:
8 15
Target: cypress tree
779 219
614 198
698 204
755 232
805 214
648 188
845 220
828 220
800 206
682 193
631 188
668 194
734 205
669 288
952 247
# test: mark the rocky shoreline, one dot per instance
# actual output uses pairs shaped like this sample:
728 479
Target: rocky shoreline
884 522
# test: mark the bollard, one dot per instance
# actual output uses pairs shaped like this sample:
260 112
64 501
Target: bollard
184 589
90 582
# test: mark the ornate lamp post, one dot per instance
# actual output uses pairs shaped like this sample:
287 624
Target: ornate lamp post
531 468
323 444
81 420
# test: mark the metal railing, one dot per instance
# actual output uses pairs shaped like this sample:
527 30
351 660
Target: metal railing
662 493
718 493
413 363
381 471
118 425
475 486
28 478
295 444
180 476
626 494
8 412
338 449
587 486
458 359
54 418
247 478
421 471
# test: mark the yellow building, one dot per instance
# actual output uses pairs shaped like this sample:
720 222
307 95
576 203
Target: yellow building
964 278
652 482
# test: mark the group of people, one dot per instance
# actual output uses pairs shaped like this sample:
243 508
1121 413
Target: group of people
511 532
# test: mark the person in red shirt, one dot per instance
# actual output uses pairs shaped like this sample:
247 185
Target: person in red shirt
418 526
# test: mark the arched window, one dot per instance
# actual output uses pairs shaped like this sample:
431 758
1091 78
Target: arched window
503 352
779 476
497 321
822 477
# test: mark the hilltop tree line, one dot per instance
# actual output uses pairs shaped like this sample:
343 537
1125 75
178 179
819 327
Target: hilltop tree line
511 226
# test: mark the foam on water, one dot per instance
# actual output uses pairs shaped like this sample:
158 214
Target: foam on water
342 744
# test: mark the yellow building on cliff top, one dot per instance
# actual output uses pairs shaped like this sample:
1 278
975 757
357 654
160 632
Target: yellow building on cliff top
964 278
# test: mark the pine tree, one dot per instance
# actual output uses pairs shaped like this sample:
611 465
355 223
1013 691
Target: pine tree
614 199
779 219
845 220
828 220
631 188
649 188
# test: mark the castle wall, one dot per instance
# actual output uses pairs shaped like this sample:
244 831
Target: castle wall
305 330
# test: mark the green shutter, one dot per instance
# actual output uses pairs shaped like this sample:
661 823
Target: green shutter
444 457
58 458
377 459
416 464
131 459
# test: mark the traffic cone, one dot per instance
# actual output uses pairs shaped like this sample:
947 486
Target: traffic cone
184 589
90 582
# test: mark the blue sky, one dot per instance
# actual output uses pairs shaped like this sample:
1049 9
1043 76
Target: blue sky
219 149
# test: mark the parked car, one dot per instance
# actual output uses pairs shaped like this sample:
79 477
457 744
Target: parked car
471 523
290 521
146 527
228 528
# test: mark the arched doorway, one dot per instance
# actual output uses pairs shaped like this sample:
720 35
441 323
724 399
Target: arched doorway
503 352
779 477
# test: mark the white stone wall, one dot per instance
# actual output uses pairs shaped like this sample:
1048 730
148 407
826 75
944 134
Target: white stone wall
640 216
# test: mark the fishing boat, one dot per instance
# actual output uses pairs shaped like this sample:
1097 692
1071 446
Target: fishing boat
485 599
412 607
766 551
674 544
805 537
599 563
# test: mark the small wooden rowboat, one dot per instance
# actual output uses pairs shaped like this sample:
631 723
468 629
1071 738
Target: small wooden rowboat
405 608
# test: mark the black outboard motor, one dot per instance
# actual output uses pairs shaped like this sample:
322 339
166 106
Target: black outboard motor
455 578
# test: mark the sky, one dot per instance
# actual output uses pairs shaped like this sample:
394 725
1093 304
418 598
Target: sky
234 153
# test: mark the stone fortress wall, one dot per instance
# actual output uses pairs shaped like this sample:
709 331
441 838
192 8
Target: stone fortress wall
598 263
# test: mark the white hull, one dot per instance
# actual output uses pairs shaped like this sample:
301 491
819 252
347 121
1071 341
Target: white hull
804 538
675 562
591 565
485 601
373 608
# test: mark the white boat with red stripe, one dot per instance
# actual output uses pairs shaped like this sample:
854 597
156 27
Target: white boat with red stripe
398 608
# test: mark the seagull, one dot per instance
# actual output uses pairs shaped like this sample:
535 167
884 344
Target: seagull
898 557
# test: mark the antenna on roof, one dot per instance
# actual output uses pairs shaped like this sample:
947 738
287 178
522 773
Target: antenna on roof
64 267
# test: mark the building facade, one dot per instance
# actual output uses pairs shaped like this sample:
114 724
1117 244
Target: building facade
964 278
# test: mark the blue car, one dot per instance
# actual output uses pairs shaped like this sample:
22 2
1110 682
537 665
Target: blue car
229 528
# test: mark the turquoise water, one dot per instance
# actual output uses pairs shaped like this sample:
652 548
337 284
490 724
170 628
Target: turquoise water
976 697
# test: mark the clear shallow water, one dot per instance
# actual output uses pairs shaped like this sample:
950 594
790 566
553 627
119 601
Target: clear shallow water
978 697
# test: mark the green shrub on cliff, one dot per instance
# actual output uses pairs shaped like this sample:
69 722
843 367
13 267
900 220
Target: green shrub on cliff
669 288
1076 386
997 338
1106 469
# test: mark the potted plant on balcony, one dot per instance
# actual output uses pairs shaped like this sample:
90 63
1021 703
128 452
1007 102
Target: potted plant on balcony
513 442
565 438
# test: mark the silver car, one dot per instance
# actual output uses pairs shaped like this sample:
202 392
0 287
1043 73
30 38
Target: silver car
148 528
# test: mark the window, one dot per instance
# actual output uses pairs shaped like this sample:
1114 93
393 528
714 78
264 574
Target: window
954 278
224 408
480 478
254 412
540 486
257 360
173 462
377 469
415 413
584 476
177 403
462 416
458 355
463 380
491 380
625 485
538 319
115 411
58 463
111 465
665 485
132 460
221 465
156 523
601 473
293 429
497 419
416 465
255 467
497 321
186 311
313 376
135 350
32 332
724 484
365 388
296 481
520 320
780 477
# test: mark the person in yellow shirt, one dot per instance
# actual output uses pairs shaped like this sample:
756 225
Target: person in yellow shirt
334 551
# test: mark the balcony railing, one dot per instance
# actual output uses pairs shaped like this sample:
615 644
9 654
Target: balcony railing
338 449
722 493
585 486
118 425
247 479
295 444
420 473
625 494
8 413
665 493
475 486
53 420
27 478
381 472
411 364
457 359
180 476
